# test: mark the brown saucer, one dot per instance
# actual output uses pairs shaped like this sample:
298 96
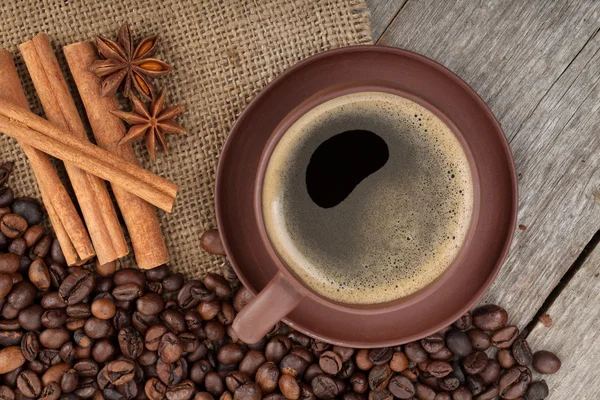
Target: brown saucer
422 79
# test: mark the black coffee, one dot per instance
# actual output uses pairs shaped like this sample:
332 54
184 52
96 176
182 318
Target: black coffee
368 198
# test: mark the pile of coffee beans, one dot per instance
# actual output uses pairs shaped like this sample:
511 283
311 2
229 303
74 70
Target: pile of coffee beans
94 332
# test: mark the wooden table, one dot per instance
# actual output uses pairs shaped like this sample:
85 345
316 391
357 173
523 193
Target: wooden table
537 65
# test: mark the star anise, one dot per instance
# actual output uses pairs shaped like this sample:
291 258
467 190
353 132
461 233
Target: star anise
151 123
122 62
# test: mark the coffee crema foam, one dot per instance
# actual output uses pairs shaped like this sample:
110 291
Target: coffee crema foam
398 230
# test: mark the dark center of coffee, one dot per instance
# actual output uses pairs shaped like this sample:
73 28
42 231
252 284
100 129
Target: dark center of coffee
341 162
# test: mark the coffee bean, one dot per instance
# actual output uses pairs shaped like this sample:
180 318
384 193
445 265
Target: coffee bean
29 384
54 338
153 335
514 382
439 369
251 362
6 169
130 342
479 339
379 376
182 391
458 343
231 353
6 284
401 387
30 346
277 348
311 372
76 287
289 387
449 383
51 392
294 365
522 352
174 320
9 263
217 284
360 383
57 275
475 363
211 242
127 292
129 275
21 295
424 392
56 253
464 322
506 359
538 390
150 304
415 352
103 308
546 362
433 343
41 248
10 338
18 246
173 283
209 309
490 317
33 234
475 384
98 328
155 389
6 393
30 317
170 374
505 337
29 209
443 396
462 393
86 368
399 361
243 297
214 384
13 226
39 275
7 196
116 372
267 377
324 387
491 373
331 363
185 296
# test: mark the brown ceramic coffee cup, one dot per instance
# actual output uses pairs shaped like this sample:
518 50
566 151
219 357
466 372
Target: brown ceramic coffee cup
280 294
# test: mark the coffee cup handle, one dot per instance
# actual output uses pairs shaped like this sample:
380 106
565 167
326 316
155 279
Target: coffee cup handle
272 304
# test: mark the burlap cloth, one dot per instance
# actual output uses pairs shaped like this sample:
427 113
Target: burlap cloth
223 53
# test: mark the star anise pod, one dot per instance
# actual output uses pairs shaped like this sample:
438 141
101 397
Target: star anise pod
151 123
122 62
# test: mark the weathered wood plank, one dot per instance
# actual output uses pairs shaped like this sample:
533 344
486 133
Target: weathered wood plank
537 64
574 335
382 13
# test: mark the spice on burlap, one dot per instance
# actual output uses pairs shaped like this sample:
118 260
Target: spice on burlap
222 54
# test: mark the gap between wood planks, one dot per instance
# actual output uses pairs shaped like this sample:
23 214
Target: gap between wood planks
553 83
391 21
564 281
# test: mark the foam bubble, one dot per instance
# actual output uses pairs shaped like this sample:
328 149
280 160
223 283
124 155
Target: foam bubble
358 252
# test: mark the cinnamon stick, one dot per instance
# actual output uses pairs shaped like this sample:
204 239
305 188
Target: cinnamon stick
68 226
59 107
140 217
39 133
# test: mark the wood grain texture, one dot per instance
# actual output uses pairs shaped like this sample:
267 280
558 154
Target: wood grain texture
574 335
382 14
537 65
